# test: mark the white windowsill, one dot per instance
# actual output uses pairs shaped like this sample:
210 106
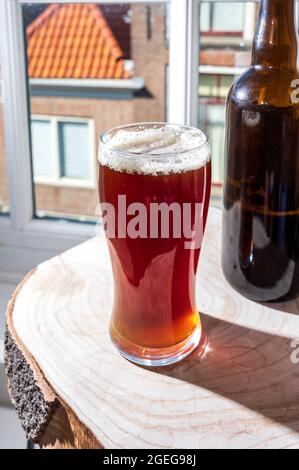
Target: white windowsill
66 182
39 233
23 249
221 70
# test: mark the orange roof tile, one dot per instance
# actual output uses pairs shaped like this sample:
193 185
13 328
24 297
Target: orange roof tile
74 41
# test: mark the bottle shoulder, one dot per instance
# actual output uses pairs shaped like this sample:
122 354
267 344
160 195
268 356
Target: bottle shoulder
266 86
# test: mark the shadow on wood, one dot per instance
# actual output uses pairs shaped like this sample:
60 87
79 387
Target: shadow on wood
246 366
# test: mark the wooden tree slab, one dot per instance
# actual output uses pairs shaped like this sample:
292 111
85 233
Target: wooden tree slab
71 388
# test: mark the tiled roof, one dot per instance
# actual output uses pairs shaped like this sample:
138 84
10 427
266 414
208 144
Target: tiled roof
74 41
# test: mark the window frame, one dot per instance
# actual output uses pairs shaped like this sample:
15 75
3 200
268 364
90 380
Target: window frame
25 240
57 180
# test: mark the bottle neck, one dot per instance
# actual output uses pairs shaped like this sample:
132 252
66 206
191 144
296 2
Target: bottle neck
275 42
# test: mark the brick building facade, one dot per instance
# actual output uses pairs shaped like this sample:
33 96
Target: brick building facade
149 54
137 39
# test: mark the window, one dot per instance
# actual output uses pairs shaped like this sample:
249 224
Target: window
86 76
212 120
215 86
74 150
222 17
219 66
213 91
42 149
64 166
150 73
62 151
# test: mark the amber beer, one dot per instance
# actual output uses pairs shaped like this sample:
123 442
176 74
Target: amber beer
260 253
155 319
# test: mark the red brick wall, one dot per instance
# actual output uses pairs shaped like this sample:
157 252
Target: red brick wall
151 58
227 58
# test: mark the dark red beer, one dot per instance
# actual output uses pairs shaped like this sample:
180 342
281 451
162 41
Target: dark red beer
154 304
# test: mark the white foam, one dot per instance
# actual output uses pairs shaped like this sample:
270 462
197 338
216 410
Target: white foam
155 150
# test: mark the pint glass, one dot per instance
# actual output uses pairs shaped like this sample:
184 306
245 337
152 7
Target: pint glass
154 187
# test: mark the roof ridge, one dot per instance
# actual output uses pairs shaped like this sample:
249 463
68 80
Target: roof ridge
40 19
106 32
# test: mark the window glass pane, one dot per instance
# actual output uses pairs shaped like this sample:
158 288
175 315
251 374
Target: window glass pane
222 59
205 17
225 84
208 85
212 119
227 16
42 148
91 67
74 148
3 166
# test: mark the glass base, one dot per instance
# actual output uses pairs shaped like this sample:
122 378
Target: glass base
160 356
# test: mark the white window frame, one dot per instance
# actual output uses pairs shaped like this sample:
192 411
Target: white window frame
63 181
24 240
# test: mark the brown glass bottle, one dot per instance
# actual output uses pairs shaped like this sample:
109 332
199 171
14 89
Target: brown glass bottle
260 249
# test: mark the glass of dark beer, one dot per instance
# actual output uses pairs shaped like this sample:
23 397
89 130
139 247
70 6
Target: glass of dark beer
154 188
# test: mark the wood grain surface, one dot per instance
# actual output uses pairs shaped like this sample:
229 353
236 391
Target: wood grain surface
244 392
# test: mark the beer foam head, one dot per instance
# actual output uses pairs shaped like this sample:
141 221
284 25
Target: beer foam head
154 149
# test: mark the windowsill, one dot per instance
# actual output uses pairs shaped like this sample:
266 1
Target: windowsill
38 240
52 216
224 40
66 182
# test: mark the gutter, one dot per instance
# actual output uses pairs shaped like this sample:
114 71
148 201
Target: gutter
133 84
